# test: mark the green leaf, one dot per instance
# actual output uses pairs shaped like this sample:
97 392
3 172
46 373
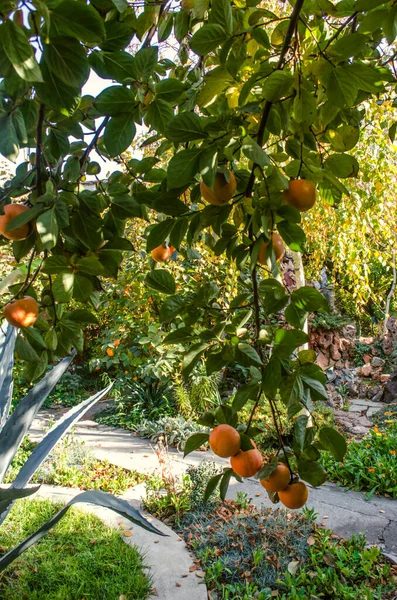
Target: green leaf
300 432
341 87
277 85
47 228
254 152
312 472
89 265
158 234
19 51
208 38
25 217
87 230
183 334
185 127
274 295
305 107
221 14
247 355
25 351
51 339
119 133
292 234
181 27
271 377
208 165
67 59
145 62
178 232
227 475
121 5
56 264
62 287
171 307
78 20
169 90
350 45
159 114
309 299
342 165
390 25
115 65
115 100
286 341
333 441
215 361
211 486
55 93
9 142
118 36
161 281
192 357
246 392
183 167
194 442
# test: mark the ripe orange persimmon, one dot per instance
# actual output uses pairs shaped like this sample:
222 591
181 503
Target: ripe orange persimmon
21 313
278 247
295 495
161 253
224 441
11 211
246 463
301 194
278 479
222 190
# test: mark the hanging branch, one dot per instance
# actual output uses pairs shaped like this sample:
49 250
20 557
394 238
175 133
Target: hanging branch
93 143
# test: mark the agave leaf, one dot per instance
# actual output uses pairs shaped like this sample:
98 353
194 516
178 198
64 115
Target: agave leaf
21 419
8 335
93 497
43 449
9 494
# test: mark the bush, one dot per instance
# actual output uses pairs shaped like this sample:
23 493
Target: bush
370 464
174 430
80 558
329 321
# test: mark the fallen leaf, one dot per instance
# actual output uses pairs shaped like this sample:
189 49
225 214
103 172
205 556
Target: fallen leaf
193 568
185 575
156 542
311 541
325 517
127 533
381 511
200 574
178 584
258 494
329 559
293 567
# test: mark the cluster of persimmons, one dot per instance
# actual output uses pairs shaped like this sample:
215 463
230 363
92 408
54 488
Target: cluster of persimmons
225 441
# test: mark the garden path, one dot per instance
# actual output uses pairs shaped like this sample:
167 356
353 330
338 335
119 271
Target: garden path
345 512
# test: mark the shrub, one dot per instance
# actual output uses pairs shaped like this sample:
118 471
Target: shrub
370 464
329 321
175 430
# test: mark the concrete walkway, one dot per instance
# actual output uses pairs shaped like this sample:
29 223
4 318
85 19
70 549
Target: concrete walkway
344 512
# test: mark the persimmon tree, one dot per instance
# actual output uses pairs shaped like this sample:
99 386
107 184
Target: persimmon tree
258 95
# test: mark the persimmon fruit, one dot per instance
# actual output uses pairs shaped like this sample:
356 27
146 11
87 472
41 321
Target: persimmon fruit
21 313
222 191
278 247
301 194
10 212
246 463
278 479
161 253
224 441
295 495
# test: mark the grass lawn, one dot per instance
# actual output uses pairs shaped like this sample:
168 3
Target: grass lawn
80 558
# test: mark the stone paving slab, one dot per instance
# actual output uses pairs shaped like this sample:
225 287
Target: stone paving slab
345 512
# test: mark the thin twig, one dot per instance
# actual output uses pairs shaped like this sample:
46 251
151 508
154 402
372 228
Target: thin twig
92 143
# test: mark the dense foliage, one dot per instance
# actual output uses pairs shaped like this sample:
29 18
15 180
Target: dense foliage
259 101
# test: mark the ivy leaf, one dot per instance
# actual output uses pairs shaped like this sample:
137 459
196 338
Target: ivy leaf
208 38
333 441
161 281
194 442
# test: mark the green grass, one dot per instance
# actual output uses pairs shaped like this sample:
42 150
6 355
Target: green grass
370 464
80 558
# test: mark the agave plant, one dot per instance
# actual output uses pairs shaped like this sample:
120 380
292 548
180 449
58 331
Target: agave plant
13 429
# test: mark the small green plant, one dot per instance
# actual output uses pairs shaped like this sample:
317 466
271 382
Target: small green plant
329 321
199 477
369 464
165 499
139 401
81 558
175 430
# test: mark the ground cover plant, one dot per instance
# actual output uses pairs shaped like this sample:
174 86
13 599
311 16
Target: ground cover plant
72 464
80 558
370 464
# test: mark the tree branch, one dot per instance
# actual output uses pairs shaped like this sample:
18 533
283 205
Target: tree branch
93 143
